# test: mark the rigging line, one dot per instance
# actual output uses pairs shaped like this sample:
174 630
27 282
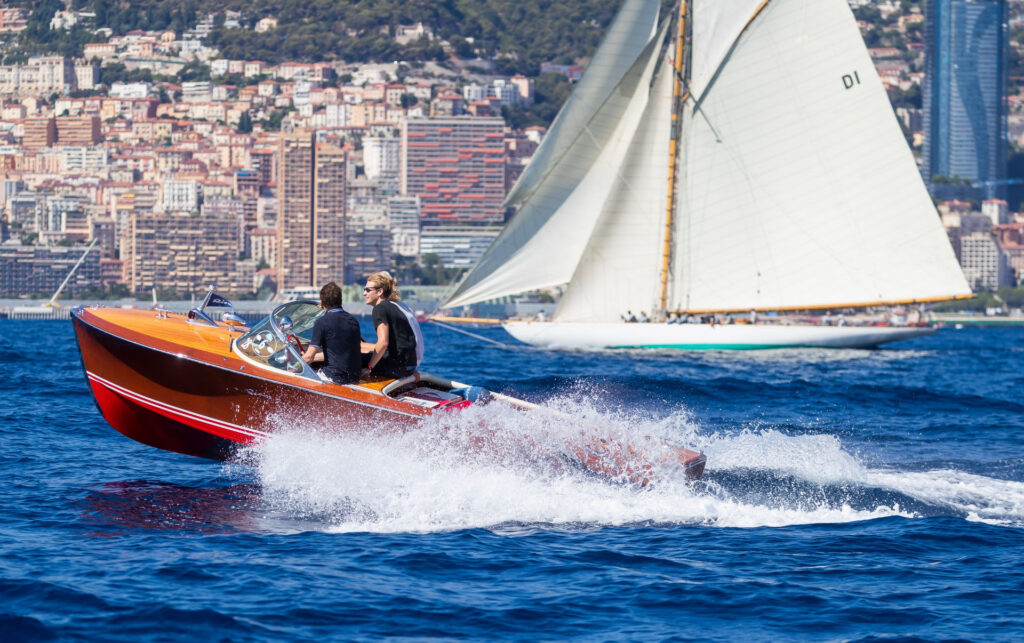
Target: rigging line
474 335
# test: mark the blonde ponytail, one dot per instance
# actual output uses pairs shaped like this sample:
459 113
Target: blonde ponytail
387 284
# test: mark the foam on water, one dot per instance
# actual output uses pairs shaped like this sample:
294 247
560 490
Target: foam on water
495 467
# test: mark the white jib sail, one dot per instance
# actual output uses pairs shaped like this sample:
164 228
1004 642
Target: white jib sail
618 271
797 188
543 243
627 36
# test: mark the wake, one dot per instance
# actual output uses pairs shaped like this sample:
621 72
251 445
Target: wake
494 467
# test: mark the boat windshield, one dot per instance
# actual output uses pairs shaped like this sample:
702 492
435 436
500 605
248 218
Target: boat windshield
274 342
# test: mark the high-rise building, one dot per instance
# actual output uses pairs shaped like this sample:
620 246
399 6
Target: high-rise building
330 187
311 211
964 97
456 166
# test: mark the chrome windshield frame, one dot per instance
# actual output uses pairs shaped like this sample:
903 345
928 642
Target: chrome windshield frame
307 371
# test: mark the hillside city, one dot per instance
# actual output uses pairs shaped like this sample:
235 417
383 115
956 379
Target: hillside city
190 168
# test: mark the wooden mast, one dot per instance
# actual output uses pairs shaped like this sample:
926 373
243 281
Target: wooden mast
677 92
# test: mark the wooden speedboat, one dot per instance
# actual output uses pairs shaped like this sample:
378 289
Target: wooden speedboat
191 384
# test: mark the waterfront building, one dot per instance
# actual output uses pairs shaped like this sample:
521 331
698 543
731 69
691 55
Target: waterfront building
102 228
456 166
1011 239
111 271
183 254
964 98
65 218
457 246
39 270
311 211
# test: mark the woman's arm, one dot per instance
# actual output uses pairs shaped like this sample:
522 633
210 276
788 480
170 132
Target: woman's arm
380 347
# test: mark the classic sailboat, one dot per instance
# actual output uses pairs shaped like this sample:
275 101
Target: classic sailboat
734 156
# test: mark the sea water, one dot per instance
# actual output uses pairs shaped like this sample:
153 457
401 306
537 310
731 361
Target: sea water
849 494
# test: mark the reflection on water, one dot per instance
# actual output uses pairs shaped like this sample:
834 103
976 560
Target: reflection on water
147 504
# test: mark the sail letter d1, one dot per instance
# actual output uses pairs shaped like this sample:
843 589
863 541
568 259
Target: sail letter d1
850 80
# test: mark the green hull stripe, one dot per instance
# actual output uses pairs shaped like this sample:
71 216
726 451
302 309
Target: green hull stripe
722 347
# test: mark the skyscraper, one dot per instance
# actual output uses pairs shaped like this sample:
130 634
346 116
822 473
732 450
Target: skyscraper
311 211
964 96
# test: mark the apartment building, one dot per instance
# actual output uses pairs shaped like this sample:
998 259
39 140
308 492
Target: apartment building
40 76
456 166
311 211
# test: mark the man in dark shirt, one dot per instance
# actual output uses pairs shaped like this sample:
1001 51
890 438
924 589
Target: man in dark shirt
336 340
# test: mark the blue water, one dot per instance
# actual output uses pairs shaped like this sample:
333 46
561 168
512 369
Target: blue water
848 495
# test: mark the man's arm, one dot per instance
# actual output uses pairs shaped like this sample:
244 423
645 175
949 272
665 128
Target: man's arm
313 354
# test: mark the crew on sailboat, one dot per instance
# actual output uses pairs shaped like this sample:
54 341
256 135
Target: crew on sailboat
399 346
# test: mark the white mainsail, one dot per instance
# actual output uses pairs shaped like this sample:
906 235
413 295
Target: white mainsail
795 188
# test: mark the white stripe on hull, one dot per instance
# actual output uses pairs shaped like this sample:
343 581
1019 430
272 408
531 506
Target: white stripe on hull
596 335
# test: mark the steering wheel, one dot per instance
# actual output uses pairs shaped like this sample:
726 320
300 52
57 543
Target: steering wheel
298 342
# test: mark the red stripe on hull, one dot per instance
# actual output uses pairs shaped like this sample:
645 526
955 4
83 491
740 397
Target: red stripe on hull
151 427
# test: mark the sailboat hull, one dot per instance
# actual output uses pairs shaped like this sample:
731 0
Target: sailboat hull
598 335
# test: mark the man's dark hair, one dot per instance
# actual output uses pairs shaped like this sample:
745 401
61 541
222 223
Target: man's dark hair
330 296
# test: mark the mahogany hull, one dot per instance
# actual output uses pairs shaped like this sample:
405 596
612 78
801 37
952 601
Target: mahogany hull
185 401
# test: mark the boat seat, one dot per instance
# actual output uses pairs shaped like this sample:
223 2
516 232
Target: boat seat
410 381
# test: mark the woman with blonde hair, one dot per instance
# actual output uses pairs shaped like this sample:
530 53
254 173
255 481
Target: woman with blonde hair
399 346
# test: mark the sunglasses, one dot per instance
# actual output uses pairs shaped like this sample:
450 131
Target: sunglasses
369 288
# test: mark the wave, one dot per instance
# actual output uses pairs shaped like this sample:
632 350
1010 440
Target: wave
492 467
